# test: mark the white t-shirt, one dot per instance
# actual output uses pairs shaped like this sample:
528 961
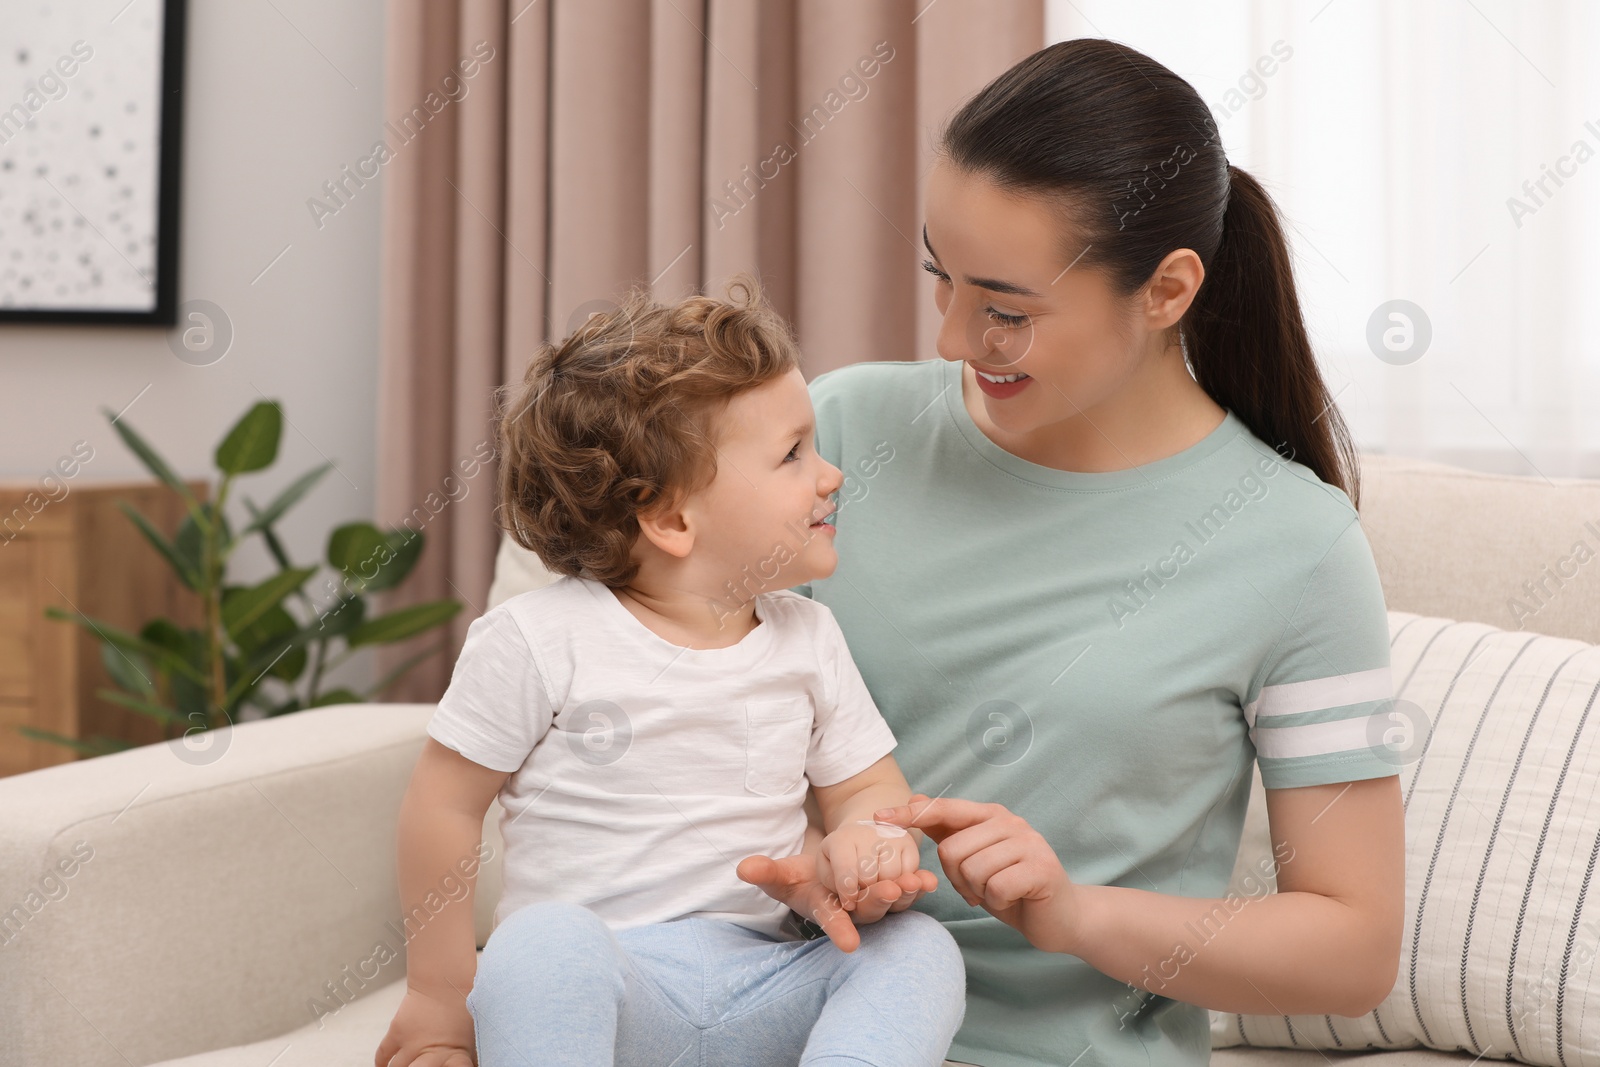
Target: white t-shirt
644 771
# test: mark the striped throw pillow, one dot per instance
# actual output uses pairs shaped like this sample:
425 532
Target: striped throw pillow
1497 741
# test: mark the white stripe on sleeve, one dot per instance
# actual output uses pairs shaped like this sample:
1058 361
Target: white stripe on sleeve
1315 694
1321 738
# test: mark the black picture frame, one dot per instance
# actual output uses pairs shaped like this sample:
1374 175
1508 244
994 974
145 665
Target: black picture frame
163 311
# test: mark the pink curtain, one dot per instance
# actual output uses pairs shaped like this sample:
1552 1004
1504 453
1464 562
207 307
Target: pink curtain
544 154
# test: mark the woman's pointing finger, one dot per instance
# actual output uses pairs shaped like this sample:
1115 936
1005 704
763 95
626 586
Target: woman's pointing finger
938 817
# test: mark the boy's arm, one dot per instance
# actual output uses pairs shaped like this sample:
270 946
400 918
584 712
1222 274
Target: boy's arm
441 829
850 719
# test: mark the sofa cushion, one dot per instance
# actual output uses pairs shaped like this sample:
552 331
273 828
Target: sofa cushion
1277 1057
1517 551
516 570
346 1038
1497 742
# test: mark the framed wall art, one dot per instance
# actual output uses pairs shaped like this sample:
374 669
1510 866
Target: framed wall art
91 107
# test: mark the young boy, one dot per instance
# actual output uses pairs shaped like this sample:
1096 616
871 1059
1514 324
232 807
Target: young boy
651 719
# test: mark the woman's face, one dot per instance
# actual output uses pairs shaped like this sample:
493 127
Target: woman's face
1013 302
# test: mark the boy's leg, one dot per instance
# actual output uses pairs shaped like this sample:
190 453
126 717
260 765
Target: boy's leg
557 987
554 987
718 977
896 1001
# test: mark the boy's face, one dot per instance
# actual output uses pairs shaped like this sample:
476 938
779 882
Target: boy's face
758 520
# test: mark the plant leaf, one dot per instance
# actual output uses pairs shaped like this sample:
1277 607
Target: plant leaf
98 745
128 669
352 544
193 700
151 459
371 560
285 500
163 659
253 442
248 675
345 616
143 707
164 633
273 544
274 623
189 542
406 546
407 622
192 694
270 633
243 607
337 696
188 574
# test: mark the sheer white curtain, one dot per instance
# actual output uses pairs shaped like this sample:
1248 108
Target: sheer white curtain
1441 152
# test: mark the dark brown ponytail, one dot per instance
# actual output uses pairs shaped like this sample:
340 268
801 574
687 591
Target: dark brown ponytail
1247 342
1133 156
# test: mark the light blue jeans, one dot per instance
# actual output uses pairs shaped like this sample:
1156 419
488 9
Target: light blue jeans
556 987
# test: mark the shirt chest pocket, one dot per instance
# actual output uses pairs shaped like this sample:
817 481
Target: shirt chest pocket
777 737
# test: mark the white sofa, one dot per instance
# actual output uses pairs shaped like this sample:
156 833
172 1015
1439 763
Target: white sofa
236 913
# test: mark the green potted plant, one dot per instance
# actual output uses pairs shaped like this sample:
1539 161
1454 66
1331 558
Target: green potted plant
267 646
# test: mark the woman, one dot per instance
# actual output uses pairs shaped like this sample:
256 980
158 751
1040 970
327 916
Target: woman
1086 598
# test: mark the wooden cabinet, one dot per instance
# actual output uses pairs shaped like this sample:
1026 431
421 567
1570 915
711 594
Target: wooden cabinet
80 551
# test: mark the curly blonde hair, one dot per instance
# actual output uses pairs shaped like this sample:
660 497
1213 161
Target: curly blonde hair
621 418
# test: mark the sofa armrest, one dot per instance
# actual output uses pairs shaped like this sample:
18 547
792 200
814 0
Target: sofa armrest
158 902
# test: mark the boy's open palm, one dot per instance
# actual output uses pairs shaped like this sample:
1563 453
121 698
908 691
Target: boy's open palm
792 880
427 1032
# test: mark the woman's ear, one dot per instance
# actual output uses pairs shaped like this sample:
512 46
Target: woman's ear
1172 288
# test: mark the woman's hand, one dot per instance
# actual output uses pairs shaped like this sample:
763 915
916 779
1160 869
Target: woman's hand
994 859
428 1031
793 881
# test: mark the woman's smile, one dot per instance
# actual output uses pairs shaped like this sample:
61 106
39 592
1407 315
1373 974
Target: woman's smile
1010 386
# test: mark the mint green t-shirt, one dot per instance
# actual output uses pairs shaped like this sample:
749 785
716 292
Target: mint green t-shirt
1104 654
